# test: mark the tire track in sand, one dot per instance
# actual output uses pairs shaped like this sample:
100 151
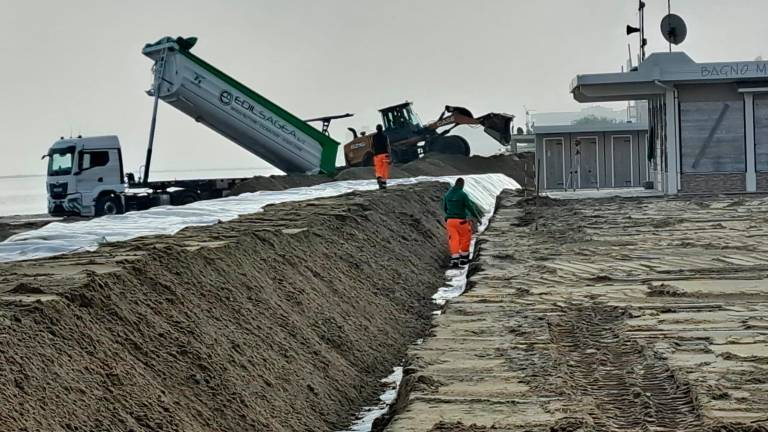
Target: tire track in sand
630 387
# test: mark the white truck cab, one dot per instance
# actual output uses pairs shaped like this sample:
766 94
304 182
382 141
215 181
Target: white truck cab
85 177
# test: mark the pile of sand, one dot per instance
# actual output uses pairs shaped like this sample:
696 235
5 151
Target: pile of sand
279 182
280 321
520 168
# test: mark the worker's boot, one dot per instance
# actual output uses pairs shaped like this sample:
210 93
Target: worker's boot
464 259
380 182
455 261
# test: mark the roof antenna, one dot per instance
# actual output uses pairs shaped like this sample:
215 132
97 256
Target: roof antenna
673 29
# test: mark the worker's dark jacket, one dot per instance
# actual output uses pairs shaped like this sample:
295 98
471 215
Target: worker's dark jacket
457 205
380 143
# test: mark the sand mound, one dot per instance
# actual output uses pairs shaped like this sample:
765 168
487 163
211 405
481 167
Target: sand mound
280 321
436 164
366 173
279 182
520 168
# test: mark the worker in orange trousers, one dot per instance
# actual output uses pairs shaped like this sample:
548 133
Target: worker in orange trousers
459 210
381 156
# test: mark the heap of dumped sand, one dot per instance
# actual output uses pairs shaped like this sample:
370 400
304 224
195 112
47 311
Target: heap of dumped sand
519 168
280 321
279 182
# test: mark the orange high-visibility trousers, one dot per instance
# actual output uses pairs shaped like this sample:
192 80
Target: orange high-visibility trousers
459 236
381 165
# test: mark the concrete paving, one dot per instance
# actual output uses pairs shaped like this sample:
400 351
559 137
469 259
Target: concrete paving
604 314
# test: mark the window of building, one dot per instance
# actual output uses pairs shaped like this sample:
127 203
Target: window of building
761 132
712 136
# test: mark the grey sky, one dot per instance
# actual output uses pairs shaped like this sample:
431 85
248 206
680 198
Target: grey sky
77 65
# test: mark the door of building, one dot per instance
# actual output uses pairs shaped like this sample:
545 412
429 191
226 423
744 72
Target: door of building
554 164
622 160
586 157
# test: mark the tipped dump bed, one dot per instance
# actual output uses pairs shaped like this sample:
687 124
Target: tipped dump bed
250 120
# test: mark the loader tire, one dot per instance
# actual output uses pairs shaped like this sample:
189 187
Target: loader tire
367 160
451 144
405 155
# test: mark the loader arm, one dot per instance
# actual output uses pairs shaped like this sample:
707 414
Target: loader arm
498 126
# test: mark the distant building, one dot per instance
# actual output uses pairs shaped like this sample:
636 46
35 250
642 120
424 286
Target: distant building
592 157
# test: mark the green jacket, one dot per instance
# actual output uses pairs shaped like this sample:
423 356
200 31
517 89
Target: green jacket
457 205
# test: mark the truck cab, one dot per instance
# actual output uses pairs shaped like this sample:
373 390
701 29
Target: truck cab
85 177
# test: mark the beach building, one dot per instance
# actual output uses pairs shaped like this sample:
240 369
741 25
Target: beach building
707 122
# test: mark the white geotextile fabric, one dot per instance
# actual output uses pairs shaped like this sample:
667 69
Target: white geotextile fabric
368 415
58 238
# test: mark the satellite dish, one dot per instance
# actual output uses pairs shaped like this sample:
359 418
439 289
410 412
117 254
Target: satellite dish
673 29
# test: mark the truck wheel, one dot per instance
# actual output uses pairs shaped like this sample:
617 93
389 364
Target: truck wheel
451 144
108 205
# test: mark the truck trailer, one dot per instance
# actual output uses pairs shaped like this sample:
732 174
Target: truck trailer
86 176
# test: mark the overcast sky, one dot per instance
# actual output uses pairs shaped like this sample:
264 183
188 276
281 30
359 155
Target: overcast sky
77 66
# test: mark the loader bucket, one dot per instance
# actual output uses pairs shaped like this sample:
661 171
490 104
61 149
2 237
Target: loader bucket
498 127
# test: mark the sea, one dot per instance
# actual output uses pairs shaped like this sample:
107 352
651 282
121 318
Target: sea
26 195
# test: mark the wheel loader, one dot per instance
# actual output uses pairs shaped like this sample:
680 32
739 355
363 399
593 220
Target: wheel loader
410 139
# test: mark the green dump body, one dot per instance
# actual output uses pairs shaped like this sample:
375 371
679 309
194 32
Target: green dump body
242 115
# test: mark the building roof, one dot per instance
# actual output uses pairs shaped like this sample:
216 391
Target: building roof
616 127
647 80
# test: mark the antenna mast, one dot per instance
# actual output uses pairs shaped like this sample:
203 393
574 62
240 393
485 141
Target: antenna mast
669 12
640 30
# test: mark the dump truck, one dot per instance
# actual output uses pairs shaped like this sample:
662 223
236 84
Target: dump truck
87 177
410 139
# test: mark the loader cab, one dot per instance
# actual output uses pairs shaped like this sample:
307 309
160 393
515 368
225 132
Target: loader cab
83 174
400 122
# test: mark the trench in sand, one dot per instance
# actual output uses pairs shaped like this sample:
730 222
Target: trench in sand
375 418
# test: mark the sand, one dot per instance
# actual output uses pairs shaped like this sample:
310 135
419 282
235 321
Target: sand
279 182
279 321
519 167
